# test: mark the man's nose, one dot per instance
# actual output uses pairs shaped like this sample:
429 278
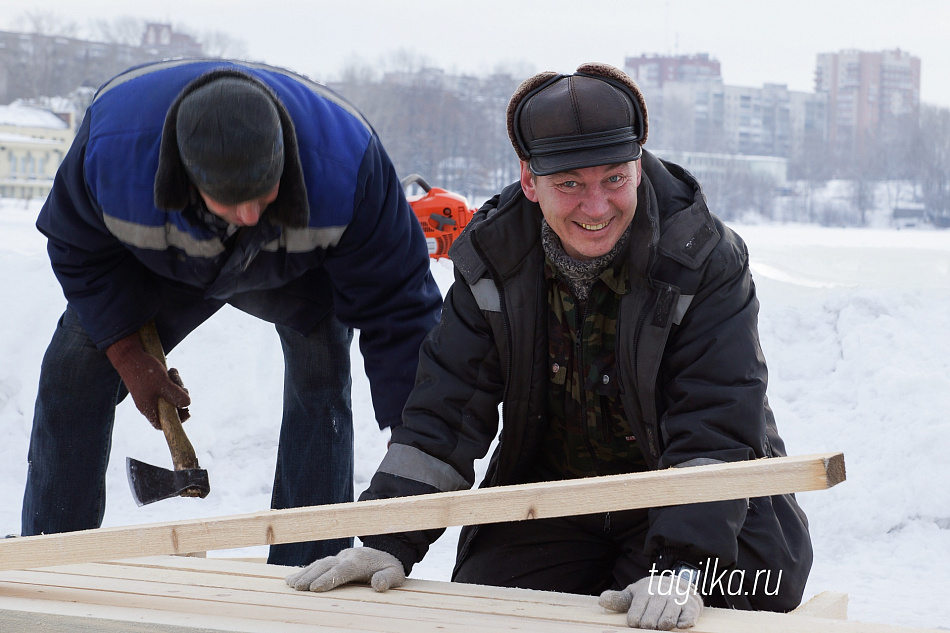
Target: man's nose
596 202
250 213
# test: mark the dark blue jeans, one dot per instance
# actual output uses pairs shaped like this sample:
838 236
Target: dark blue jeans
75 412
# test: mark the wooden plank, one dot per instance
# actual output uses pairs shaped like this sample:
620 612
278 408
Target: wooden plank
728 621
238 568
260 560
203 594
827 604
282 605
673 486
32 622
75 613
453 597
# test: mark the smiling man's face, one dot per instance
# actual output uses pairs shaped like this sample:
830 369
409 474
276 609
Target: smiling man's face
588 208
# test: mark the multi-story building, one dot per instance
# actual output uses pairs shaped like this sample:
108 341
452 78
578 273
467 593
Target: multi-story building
654 71
33 142
35 65
691 109
688 115
773 120
866 90
684 97
161 39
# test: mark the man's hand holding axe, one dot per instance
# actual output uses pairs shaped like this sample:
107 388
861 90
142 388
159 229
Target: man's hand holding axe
147 379
162 398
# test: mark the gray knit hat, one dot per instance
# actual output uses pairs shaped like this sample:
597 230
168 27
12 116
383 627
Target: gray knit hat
230 140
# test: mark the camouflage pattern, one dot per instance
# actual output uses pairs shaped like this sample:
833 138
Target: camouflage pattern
588 433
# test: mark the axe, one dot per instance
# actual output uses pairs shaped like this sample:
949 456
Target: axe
151 483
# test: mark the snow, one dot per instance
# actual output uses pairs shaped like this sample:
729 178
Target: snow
28 116
855 325
22 138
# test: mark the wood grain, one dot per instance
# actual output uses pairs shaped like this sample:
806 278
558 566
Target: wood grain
166 594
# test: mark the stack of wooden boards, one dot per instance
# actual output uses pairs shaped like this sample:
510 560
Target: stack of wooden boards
121 579
176 594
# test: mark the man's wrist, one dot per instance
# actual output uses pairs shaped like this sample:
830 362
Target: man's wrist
689 573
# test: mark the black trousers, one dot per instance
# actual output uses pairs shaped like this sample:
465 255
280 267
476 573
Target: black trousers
74 416
591 553
580 554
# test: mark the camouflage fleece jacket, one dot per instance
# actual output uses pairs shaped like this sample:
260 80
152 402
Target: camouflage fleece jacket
588 433
689 370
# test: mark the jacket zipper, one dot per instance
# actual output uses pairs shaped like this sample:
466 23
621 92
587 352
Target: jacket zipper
653 442
580 318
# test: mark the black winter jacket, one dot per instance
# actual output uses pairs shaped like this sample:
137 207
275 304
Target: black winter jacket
691 372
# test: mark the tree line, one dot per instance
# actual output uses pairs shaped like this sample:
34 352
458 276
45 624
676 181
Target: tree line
451 129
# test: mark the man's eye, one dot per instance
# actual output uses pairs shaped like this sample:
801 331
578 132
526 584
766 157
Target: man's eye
616 178
569 184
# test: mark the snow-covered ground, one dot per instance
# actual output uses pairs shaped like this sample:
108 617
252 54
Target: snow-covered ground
855 325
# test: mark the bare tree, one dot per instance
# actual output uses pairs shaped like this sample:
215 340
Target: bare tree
220 44
511 69
122 30
933 164
45 23
675 126
34 71
449 128
738 190
405 60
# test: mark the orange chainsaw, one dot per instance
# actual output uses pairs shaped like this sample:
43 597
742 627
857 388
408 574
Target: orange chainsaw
441 213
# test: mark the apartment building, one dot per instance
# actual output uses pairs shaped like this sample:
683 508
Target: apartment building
37 65
692 109
865 91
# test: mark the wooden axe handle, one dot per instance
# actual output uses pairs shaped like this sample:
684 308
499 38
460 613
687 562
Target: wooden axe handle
183 453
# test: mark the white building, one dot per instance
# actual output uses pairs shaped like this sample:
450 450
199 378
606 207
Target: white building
710 168
33 142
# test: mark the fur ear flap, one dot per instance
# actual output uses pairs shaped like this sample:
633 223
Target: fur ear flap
171 179
527 86
292 207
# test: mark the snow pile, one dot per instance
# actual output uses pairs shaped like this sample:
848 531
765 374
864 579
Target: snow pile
855 325
29 116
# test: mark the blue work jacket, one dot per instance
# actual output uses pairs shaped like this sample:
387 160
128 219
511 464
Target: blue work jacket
340 237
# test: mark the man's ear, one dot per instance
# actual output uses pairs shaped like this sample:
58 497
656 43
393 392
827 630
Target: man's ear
528 182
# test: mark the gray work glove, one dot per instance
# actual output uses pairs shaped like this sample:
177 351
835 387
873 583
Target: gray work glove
661 602
355 564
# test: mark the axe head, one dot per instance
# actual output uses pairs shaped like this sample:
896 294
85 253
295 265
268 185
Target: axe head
151 483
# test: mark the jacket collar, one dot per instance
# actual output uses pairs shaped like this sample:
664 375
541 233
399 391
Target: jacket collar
173 187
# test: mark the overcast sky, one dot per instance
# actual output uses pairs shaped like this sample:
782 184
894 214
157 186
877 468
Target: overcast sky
756 41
